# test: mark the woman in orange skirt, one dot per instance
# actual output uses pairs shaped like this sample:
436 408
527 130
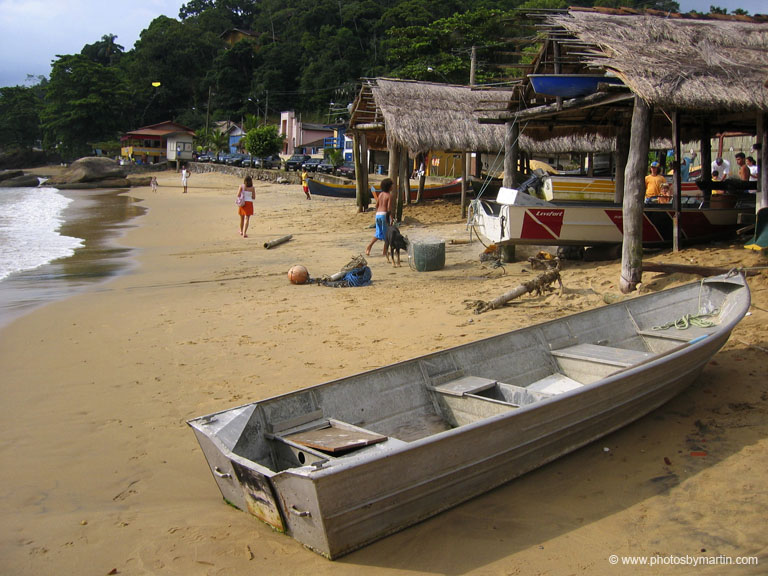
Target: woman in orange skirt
246 210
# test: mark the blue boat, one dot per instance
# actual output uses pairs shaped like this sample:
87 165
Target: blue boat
569 85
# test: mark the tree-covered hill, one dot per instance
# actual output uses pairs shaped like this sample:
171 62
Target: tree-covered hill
305 55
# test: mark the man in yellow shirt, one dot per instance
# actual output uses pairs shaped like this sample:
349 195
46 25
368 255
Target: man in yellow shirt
653 182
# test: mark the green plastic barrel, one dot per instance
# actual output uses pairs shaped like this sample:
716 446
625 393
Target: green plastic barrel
426 254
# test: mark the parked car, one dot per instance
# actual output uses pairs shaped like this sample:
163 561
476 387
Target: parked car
205 157
235 159
295 162
221 158
347 170
312 164
326 167
273 161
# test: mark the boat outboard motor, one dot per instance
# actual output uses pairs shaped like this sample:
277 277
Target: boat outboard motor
533 184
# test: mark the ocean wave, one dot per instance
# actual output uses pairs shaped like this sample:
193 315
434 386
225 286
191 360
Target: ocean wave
30 220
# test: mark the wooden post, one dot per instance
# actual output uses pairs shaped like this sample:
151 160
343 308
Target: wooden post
405 172
363 156
464 185
359 189
622 151
634 197
676 181
511 150
762 163
706 162
394 162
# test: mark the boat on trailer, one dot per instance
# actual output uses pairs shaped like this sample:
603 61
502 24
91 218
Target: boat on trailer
344 463
344 190
518 218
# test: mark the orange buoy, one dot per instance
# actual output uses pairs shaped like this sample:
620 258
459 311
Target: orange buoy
298 274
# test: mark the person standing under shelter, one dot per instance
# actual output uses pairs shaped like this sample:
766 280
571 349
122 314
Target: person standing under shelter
653 183
685 167
752 165
383 216
184 177
722 167
741 162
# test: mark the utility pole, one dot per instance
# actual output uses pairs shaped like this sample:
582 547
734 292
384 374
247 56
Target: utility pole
472 66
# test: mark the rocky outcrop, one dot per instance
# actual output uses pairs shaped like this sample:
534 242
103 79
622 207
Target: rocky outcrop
8 174
96 169
23 181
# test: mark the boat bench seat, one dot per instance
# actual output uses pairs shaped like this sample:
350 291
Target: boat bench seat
621 357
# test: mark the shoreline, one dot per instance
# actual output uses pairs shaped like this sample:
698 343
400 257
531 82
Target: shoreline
104 474
100 217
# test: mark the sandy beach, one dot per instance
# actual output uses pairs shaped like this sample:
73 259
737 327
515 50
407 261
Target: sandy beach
101 475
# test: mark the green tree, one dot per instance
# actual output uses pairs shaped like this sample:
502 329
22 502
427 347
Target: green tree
106 51
440 52
263 141
717 10
19 117
84 103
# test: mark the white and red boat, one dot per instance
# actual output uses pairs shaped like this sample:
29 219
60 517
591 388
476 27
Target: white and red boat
518 218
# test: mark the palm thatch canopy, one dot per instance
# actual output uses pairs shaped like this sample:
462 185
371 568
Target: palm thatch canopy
423 116
713 70
676 62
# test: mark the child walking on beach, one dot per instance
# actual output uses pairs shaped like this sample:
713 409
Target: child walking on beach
247 192
153 183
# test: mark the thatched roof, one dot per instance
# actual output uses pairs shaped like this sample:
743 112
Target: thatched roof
424 116
680 63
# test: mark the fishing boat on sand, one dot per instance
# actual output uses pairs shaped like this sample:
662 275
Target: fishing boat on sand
341 464
518 218
431 191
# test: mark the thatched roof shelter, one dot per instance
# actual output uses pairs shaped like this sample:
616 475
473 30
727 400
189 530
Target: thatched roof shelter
712 65
713 69
423 116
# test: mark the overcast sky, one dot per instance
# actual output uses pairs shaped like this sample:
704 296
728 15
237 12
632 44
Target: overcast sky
33 32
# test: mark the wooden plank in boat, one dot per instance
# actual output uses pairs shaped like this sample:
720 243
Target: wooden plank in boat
602 354
334 438
465 385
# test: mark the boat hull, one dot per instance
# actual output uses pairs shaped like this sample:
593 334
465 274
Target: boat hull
569 85
431 192
518 401
596 224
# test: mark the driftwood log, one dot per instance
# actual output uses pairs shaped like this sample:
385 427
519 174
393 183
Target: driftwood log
277 242
536 285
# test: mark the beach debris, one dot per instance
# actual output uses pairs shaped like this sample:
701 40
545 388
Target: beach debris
277 242
298 274
354 273
543 260
538 285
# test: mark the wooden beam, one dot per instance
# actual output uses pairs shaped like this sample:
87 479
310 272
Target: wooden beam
676 181
634 196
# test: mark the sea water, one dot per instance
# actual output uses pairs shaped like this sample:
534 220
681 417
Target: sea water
30 221
55 243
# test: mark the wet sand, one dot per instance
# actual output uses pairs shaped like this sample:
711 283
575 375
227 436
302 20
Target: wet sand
102 475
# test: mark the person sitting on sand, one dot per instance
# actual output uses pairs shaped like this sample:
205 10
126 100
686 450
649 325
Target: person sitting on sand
383 217
246 210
